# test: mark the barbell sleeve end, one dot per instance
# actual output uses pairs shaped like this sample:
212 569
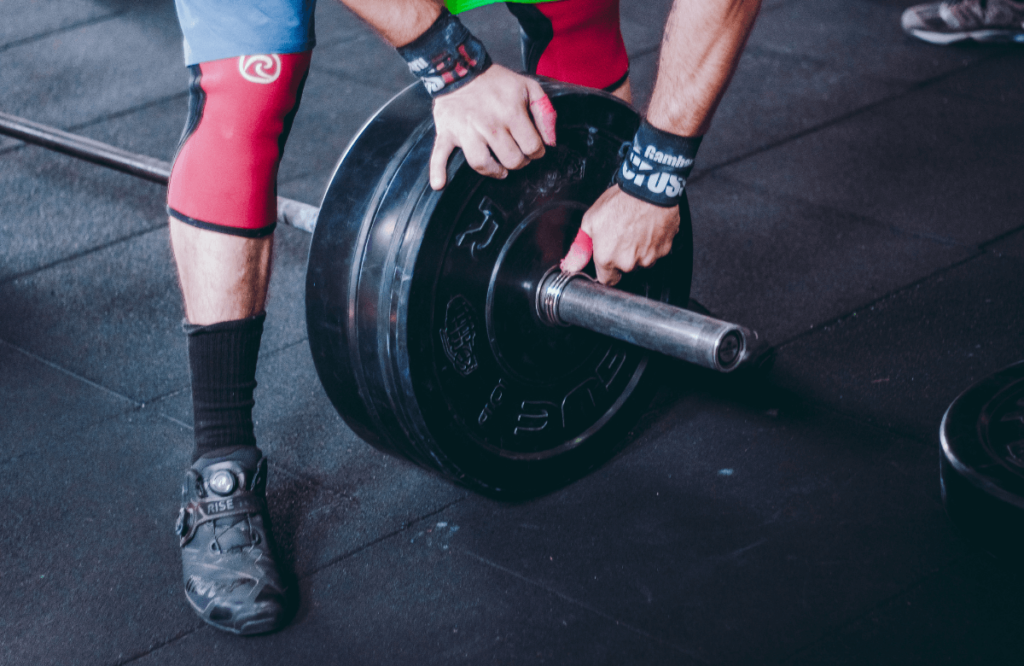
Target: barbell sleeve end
565 299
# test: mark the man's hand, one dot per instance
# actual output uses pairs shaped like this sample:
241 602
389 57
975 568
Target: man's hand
626 233
500 112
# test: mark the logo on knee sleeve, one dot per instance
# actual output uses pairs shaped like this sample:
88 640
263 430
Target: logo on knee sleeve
260 68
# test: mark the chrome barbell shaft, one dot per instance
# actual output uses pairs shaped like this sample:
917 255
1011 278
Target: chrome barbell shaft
575 299
289 212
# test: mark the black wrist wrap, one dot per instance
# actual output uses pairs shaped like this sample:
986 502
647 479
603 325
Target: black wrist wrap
656 168
447 56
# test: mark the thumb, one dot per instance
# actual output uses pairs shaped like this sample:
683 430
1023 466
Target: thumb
544 115
579 254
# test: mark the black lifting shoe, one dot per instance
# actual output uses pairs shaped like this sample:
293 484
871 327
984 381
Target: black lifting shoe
230 576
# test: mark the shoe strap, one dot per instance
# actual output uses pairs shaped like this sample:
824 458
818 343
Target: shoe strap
197 512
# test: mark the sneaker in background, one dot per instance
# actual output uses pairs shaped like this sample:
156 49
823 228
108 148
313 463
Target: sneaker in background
960 20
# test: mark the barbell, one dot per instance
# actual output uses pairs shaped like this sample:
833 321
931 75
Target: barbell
439 324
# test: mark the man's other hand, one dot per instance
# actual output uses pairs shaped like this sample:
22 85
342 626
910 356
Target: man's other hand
500 115
626 232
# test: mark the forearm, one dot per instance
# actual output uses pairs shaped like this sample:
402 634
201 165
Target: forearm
398 21
702 46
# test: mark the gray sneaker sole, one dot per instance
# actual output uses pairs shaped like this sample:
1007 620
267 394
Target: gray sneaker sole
982 36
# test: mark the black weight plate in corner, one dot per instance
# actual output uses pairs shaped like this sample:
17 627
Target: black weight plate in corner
982 462
451 367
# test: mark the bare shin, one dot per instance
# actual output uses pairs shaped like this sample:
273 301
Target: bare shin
222 277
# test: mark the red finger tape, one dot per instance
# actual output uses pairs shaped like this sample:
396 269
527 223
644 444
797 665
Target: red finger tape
580 252
545 116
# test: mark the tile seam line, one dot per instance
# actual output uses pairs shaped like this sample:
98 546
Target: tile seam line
84 253
275 351
113 115
305 576
826 409
69 373
854 416
56 31
160 645
345 78
913 88
582 605
373 542
152 402
985 246
877 606
298 473
838 319
854 217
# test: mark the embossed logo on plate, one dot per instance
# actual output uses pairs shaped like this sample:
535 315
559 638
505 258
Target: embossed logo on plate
459 335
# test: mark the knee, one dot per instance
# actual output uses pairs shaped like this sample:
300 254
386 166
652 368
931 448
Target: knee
240 113
584 43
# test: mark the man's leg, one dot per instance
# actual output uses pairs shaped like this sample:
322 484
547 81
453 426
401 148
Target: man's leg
576 41
222 205
223 278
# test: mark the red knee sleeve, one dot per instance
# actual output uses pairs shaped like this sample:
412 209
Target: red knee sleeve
587 47
225 173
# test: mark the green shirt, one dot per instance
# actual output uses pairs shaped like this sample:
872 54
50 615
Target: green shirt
457 6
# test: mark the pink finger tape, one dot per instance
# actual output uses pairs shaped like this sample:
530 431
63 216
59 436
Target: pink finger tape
545 116
579 254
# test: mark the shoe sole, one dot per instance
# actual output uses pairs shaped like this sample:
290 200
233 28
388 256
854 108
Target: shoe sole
981 36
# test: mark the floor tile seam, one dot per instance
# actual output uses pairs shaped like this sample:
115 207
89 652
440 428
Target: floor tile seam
161 645
854 216
644 52
56 31
84 253
985 245
869 424
285 346
837 629
155 400
826 124
167 395
134 403
327 43
581 604
346 78
768 51
313 481
68 432
764 50
114 115
177 422
779 5
308 575
892 293
820 409
967 97
300 177
405 527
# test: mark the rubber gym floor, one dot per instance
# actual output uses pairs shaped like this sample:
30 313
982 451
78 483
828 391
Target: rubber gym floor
857 200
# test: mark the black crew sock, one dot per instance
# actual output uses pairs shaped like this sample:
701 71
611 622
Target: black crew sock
222 358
